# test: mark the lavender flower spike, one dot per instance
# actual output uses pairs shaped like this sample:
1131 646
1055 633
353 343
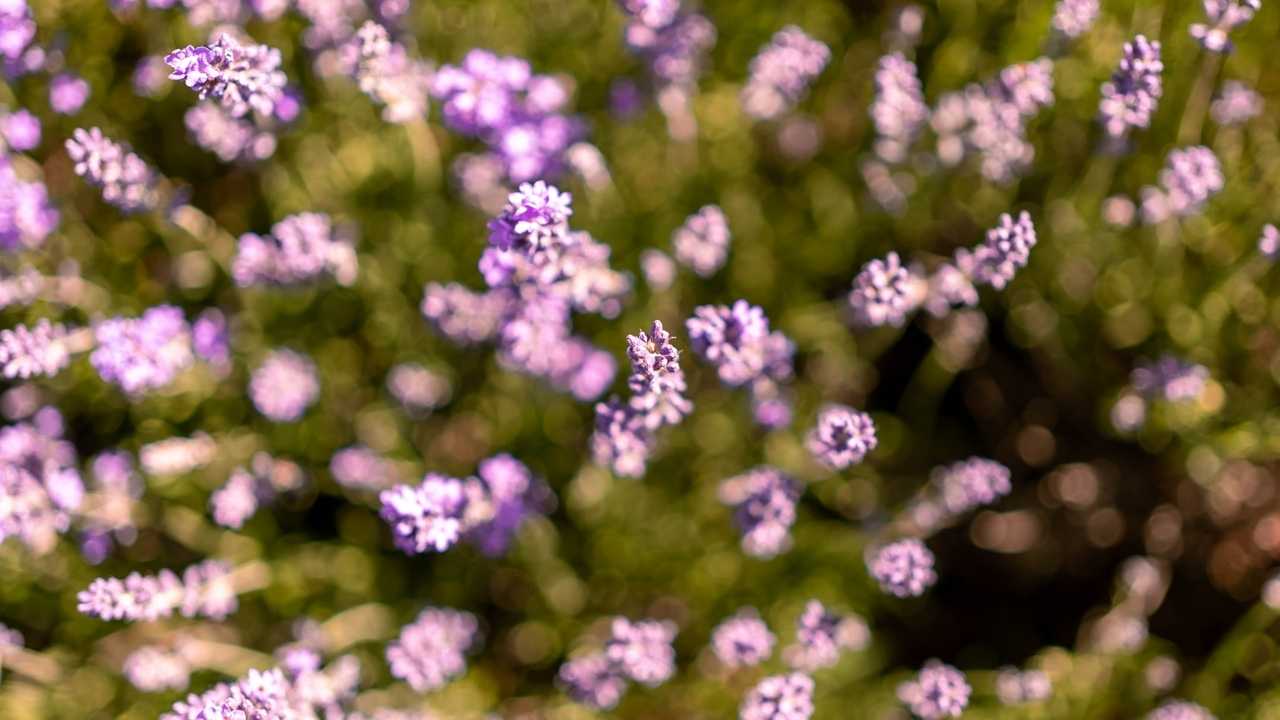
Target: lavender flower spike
1006 249
27 352
1223 16
592 680
203 591
971 483
882 293
144 353
1073 17
702 242
842 437
432 649
387 74
1190 177
903 568
284 386
742 640
781 73
764 502
428 516
242 78
899 110
1180 710
1129 98
125 180
940 691
642 650
779 697
822 634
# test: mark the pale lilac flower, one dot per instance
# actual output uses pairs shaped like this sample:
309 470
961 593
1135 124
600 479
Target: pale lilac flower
730 338
236 501
1073 17
116 486
242 78
430 516
1223 16
144 353
948 287
1006 249
258 695
1014 687
68 93
418 389
1269 242
1236 104
1180 709
658 268
358 467
1190 177
702 242
177 455
971 483
21 130
899 110
764 501
673 43
882 293
38 350
27 217
1170 378
21 288
17 29
742 640
903 568
125 180
210 338
781 73
300 248
153 669
39 484
513 494
231 138
387 74
940 691
463 316
203 591
150 77
284 386
779 697
1129 98
642 650
821 635
431 651
592 680
842 437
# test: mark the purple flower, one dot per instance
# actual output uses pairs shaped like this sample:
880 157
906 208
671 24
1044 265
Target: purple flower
284 386
822 634
17 29
903 568
28 352
764 501
1006 250
949 287
431 650
387 74
1190 177
418 389
883 293
358 467
229 137
430 516
259 694
1180 709
653 13
842 437
702 243
675 50
39 485
1170 378
124 179
463 316
620 440
939 691
742 640
236 501
1269 242
1236 104
27 217
899 110
535 221
781 73
1223 16
203 591
144 353
642 650
592 680
300 248
150 77
21 130
971 483
1129 98
154 669
779 697
210 339
1014 687
68 93
1073 17
242 78
731 338
513 494
658 268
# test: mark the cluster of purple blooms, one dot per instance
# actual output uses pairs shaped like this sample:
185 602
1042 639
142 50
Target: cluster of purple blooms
1005 250
145 353
1191 176
884 293
903 568
27 217
1223 16
203 590
821 635
1236 104
301 688
738 342
1072 18
40 486
115 487
743 640
781 73
940 691
972 483
625 433
764 502
672 41
301 248
1130 97
236 501
386 72
432 650
1170 378
779 697
702 242
284 386
17 31
842 437
418 389
899 111
242 78
125 179
636 651
27 352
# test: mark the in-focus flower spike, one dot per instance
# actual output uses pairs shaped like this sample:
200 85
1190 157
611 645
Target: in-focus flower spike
535 221
940 691
204 590
284 386
1072 18
1190 177
1269 242
593 681
125 180
1129 98
883 293
28 352
432 650
144 353
300 248
764 501
1006 249
821 635
387 74
1170 378
1223 16
971 483
1180 709
243 78
742 640
702 242
842 437
899 110
236 501
781 73
153 669
1236 104
903 568
779 697
259 694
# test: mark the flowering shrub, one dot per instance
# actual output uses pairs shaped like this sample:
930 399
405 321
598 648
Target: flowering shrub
416 359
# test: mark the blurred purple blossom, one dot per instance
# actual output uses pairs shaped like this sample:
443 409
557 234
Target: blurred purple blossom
971 483
702 242
1269 242
153 669
1180 709
903 568
1236 104
210 338
284 386
387 74
125 180
513 494
419 390
150 77
1190 177
673 43
39 485
821 635
842 437
1073 18
780 74
203 590
17 29
1006 249
1170 378
779 697
30 351
593 681
940 691
300 248
1223 16
1014 687
899 110
764 501
742 640
432 649
68 93
641 650
27 218
360 468
228 137
21 130
236 501
883 293
144 353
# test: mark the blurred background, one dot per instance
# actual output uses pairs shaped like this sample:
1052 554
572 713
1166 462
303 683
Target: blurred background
1031 378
